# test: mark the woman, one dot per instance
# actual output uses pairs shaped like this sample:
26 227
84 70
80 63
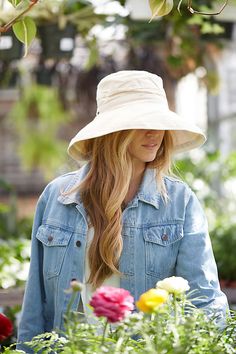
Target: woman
120 220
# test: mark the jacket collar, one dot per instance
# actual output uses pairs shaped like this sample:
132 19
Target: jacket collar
147 193
73 197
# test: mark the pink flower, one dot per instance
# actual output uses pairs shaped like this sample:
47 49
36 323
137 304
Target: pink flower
112 303
6 327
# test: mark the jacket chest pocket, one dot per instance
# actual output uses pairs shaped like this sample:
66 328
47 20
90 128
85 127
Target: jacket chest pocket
161 249
55 242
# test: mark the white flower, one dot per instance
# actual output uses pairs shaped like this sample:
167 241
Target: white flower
174 285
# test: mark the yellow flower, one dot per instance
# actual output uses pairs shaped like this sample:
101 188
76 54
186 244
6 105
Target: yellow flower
151 300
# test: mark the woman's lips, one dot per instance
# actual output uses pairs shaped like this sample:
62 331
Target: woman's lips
150 146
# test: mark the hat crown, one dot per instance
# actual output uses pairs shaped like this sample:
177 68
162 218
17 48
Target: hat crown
127 86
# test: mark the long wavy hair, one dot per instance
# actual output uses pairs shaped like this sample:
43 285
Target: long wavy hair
104 189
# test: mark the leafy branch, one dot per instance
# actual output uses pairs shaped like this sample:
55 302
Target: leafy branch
8 25
164 7
23 27
189 7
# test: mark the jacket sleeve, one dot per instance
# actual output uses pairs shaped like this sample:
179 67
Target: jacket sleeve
196 261
32 320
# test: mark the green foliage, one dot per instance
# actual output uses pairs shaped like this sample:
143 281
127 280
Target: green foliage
176 327
10 225
23 27
160 7
202 172
14 241
25 31
207 174
93 54
14 262
26 14
79 13
37 118
224 245
14 2
178 43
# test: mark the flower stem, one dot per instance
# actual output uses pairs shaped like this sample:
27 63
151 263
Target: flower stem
72 299
104 332
176 309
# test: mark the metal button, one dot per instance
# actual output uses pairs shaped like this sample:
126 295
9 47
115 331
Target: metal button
78 243
50 238
164 237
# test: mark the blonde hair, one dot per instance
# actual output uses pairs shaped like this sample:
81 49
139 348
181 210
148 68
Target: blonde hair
104 189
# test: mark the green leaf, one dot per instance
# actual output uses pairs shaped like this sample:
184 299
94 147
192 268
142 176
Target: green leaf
25 31
160 7
14 2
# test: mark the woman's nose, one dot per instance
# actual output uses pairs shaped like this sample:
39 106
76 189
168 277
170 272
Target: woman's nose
151 132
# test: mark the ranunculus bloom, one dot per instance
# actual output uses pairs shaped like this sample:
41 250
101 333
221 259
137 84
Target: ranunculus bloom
174 285
6 327
112 303
151 300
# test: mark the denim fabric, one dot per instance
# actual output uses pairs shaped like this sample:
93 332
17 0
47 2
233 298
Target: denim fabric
159 240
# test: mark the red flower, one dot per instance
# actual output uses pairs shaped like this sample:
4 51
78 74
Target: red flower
6 327
112 303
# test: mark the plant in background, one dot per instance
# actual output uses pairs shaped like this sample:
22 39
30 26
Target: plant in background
224 245
208 174
25 29
212 176
38 118
14 242
25 15
167 323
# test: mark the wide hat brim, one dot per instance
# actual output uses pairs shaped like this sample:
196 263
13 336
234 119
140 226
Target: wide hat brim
185 134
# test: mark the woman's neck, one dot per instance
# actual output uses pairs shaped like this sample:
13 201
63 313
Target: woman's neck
135 182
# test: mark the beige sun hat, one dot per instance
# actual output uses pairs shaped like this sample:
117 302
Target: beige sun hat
132 99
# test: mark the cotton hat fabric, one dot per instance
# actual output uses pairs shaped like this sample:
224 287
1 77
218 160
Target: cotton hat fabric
133 99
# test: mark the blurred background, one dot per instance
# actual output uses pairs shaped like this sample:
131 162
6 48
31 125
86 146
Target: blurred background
49 94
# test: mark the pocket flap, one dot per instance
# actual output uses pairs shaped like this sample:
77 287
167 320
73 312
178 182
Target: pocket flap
164 235
50 236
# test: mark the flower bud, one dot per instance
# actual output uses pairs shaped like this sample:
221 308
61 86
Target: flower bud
76 285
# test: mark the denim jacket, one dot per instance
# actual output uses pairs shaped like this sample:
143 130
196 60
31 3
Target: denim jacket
159 240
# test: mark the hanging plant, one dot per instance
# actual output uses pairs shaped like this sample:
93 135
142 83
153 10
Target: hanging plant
37 118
